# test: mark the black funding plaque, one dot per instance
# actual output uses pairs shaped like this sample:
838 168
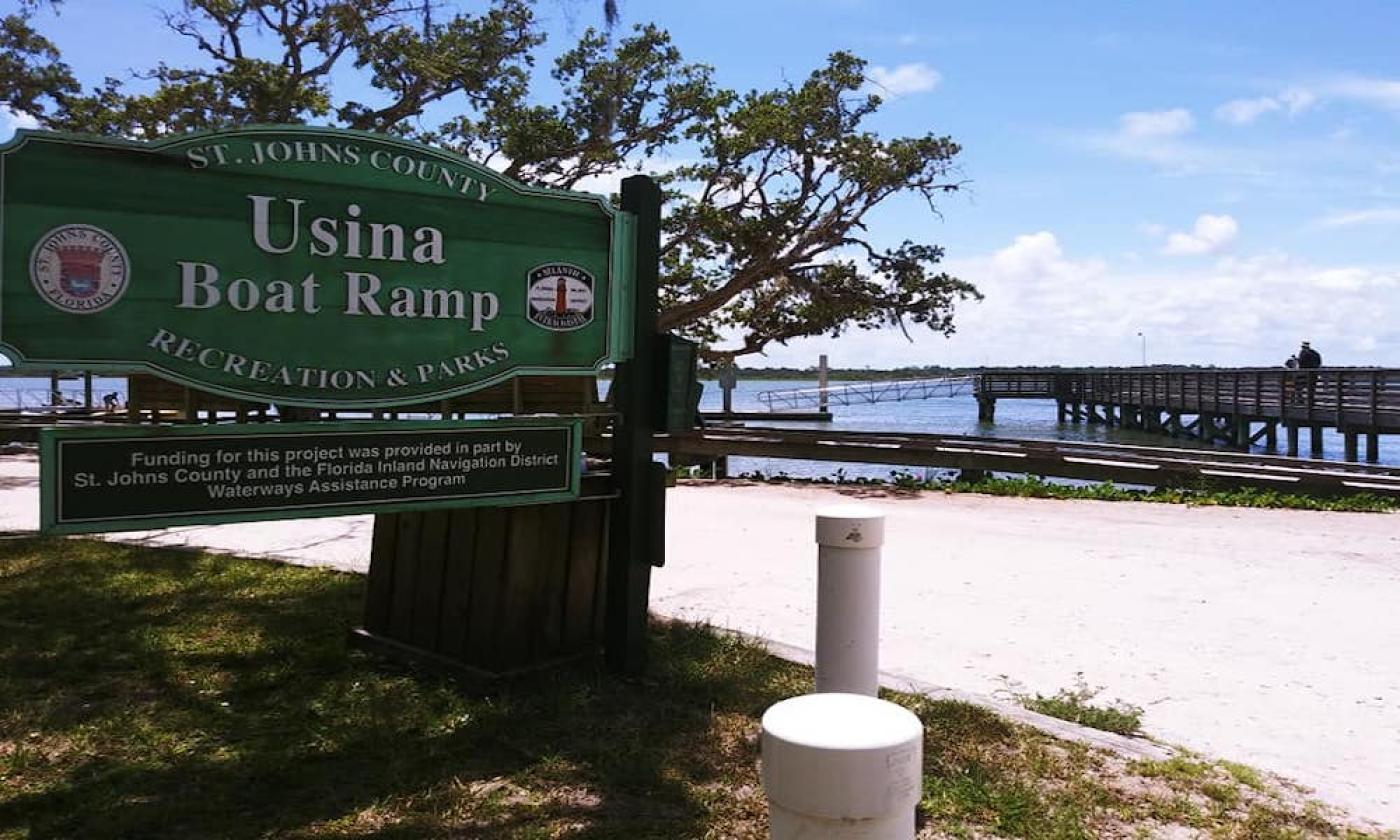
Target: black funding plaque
111 480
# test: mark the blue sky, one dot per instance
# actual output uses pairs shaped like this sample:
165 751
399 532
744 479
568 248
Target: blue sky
1222 178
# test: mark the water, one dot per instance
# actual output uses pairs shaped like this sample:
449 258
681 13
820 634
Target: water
1034 419
34 393
957 415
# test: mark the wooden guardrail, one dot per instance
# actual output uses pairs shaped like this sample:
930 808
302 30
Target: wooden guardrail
1144 465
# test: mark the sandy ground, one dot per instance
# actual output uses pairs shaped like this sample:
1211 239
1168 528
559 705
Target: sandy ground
1267 637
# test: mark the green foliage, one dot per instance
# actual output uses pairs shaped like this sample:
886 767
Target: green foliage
624 101
1076 705
482 58
33 78
1032 486
767 234
1244 774
766 231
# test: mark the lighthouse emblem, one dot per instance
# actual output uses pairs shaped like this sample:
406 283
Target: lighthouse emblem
79 268
559 297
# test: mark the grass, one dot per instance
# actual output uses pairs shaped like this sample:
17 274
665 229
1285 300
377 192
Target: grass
158 693
1205 789
1036 487
1077 705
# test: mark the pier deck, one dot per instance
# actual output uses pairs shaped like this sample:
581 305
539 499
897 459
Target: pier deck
1235 406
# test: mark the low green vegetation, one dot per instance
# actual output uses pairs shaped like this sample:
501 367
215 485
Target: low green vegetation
1036 487
158 693
1204 789
1077 705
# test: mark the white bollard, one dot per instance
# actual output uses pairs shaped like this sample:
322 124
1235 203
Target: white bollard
848 599
841 766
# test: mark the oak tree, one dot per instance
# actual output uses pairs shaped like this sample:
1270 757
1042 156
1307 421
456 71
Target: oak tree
767 232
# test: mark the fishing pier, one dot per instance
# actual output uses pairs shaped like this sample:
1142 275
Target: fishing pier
1234 407
1237 407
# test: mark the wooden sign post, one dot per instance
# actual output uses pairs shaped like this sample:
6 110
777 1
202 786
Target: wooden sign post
637 537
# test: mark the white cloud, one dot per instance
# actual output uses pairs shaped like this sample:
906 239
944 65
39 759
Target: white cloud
1345 279
609 182
1147 124
1364 90
1297 100
1031 254
1379 93
904 79
1368 91
606 183
10 120
1157 137
1046 305
1369 216
1245 111
1210 234
1255 166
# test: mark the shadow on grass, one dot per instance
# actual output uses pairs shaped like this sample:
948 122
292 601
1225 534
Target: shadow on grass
153 693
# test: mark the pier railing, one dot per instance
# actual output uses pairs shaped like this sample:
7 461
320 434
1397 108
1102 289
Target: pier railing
1345 398
855 393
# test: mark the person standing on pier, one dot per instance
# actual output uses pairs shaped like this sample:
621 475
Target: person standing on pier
1308 359
1290 386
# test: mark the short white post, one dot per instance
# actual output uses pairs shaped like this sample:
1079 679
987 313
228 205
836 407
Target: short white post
848 599
841 766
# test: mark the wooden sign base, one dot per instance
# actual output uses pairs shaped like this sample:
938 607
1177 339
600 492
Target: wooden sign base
491 590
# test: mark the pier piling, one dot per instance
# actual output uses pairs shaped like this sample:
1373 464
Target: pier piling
1236 407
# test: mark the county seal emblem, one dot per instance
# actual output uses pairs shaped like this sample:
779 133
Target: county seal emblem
79 268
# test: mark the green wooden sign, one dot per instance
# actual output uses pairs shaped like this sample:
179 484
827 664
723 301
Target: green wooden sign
303 266
114 479
676 387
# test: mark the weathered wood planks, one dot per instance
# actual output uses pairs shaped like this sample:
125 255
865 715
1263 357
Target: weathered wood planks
494 588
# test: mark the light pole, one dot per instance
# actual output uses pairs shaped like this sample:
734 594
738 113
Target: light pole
1144 347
